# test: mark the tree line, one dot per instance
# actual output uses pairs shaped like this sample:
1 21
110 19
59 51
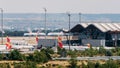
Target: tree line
45 55
27 60
14 33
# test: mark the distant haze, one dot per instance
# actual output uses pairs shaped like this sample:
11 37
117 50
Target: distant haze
60 6
23 21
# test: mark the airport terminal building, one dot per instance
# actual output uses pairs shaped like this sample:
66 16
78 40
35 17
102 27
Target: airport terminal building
97 34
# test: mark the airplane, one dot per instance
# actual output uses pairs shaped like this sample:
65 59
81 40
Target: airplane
2 47
15 44
76 47
55 33
20 45
30 33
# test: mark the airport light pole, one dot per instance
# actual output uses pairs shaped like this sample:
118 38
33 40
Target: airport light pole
45 22
116 37
116 40
80 17
1 25
69 29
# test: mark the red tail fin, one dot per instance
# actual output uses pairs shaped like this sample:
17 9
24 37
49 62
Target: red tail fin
60 42
8 40
37 39
8 44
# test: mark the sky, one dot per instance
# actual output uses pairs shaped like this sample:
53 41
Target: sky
60 6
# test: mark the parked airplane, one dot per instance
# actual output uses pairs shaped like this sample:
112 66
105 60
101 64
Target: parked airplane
21 45
34 34
3 47
15 44
76 47
55 33
30 33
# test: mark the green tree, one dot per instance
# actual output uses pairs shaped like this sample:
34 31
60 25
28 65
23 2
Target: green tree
97 65
110 64
59 50
90 65
1 56
108 53
15 55
73 63
40 57
30 57
37 56
72 53
118 53
45 57
102 50
47 52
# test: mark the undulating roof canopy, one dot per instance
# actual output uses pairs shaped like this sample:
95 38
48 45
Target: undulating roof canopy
104 27
77 28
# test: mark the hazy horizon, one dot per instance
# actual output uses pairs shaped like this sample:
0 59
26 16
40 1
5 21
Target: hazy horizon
24 21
